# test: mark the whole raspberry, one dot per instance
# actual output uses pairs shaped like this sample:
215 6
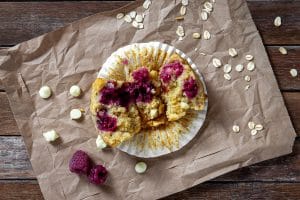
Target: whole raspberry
80 163
98 175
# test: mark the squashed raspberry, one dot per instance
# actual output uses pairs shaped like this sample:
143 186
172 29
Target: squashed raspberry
98 175
105 122
171 70
190 88
80 163
141 75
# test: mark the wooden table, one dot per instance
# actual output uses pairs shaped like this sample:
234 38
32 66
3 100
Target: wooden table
274 179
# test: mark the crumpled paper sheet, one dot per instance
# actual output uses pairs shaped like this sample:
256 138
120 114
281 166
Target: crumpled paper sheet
74 54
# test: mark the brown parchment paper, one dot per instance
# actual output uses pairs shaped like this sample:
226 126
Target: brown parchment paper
74 54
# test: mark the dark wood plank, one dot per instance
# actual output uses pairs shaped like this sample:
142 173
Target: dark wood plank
8 125
20 21
29 190
264 13
14 164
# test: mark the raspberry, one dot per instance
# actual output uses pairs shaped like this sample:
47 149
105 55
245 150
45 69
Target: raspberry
105 122
141 75
190 88
170 70
98 175
80 163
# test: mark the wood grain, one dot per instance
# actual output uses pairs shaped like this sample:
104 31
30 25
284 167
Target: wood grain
282 64
21 21
29 190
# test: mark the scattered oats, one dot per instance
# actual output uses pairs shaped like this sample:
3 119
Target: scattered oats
182 10
75 91
213 1
247 87
120 15
144 15
239 68
127 19
196 49
146 4
179 18
227 68
180 38
75 114
50 136
139 18
196 35
185 2
208 10
249 57
294 72
135 24
208 5
247 78
282 50
204 15
206 35
277 21
45 92
132 14
253 132
227 77
236 128
180 31
251 66
140 167
232 52
251 125
203 54
140 25
259 127
216 62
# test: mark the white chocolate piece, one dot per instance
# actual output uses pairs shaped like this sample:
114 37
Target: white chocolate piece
140 167
75 114
50 136
100 143
75 91
45 92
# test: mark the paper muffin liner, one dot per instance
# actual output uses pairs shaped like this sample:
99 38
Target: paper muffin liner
162 140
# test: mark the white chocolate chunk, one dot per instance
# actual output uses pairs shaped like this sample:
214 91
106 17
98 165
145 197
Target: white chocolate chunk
282 50
196 35
249 57
259 127
236 128
140 167
250 66
251 125
153 113
75 91
184 105
45 92
239 68
120 15
206 35
75 114
216 62
208 5
232 52
100 144
294 72
277 21
253 132
135 24
140 26
247 78
227 68
247 87
50 136
227 77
